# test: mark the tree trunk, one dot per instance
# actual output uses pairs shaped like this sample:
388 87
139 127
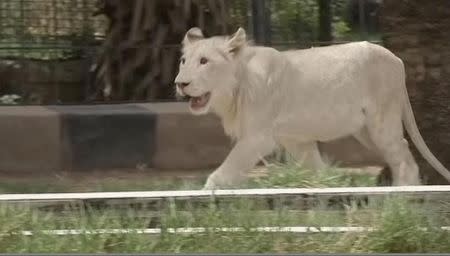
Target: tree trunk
325 15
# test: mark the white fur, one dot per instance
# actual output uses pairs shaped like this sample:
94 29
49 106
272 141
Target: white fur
267 98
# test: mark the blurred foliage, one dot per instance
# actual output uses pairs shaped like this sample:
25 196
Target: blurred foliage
298 21
294 20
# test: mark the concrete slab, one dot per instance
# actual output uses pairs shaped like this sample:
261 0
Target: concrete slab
29 139
106 136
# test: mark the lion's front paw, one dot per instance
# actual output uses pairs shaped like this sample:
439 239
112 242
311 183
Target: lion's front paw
210 185
222 180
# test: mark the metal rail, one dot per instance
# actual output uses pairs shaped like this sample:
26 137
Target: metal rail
197 230
199 194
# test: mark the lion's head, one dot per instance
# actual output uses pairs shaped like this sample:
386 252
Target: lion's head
207 71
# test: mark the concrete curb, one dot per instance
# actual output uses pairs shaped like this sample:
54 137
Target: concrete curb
95 137
29 139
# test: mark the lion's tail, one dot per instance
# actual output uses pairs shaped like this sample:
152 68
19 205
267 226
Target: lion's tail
411 127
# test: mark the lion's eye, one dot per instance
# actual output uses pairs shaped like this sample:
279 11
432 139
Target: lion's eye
183 60
203 60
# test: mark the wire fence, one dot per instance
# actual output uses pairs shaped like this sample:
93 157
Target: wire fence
48 48
48 29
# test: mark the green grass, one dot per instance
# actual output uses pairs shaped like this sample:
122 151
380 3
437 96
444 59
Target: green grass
399 229
399 221
280 175
293 176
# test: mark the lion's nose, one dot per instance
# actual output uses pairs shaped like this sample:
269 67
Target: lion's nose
182 85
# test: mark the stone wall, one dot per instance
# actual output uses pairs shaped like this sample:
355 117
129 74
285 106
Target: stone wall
419 33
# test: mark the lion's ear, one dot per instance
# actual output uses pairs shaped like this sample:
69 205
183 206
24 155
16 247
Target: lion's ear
237 41
194 34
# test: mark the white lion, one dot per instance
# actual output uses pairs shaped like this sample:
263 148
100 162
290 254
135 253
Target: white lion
266 98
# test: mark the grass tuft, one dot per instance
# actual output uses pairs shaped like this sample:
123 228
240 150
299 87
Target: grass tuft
292 175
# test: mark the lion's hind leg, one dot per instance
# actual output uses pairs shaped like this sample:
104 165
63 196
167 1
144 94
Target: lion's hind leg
306 154
386 132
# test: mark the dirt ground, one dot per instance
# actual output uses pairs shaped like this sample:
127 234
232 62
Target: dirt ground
102 174
87 181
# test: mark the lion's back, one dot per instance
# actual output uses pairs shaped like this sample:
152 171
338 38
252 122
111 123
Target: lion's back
334 83
342 56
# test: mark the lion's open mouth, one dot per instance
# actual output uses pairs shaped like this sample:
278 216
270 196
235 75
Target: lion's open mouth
200 101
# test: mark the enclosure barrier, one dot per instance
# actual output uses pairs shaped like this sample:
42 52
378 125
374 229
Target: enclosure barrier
199 230
58 198
68 138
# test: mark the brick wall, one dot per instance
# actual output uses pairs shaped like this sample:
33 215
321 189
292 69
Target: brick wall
419 32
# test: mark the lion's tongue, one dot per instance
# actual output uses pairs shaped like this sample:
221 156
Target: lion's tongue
198 102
